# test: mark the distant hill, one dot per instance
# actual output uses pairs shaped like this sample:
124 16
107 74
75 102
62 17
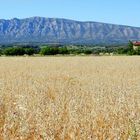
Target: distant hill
54 30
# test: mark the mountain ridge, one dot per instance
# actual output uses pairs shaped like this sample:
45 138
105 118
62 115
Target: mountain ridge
86 21
56 30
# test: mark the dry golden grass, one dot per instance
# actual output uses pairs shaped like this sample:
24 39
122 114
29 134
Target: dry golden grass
70 98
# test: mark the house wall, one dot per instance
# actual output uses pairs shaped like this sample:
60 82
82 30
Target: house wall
135 47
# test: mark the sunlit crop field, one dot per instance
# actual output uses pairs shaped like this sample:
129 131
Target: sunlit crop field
70 98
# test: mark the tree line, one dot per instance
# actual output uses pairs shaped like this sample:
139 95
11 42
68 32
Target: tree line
67 50
43 50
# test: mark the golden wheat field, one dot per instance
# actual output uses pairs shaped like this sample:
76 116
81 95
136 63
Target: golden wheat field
70 98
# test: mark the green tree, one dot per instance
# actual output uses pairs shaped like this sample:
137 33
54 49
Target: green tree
130 45
29 51
1 52
63 50
13 51
49 51
137 51
88 52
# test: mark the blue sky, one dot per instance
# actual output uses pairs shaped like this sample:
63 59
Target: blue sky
126 12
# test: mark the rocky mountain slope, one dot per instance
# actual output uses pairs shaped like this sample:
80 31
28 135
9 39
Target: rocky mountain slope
53 30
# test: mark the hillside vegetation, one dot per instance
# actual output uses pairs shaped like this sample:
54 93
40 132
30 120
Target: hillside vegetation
67 98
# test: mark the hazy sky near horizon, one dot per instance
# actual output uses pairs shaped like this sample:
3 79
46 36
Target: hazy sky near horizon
124 12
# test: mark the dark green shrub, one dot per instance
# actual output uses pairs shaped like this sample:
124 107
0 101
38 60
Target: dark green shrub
88 52
137 51
49 51
63 50
14 51
1 52
29 51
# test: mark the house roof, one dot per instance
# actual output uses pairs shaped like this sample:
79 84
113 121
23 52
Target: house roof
137 43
